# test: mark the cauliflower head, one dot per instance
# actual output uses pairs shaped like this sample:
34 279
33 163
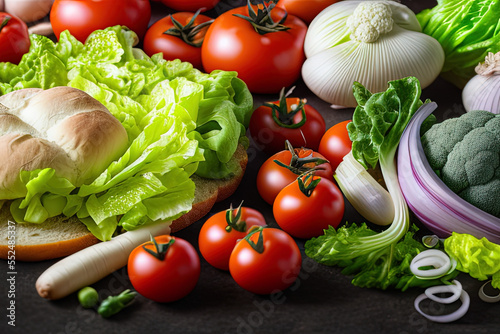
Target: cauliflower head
369 21
465 153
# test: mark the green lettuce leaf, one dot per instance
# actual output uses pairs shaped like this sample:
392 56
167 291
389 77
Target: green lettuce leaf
467 30
479 258
380 119
386 267
179 121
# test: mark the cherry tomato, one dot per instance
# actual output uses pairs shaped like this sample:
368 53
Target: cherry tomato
219 234
14 38
178 41
265 62
335 143
309 205
190 5
164 279
287 119
305 10
272 176
81 17
266 261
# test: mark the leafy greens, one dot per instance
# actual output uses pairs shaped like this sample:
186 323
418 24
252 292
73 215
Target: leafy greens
377 259
467 30
478 257
179 121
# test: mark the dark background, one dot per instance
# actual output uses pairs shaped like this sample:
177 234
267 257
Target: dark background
321 301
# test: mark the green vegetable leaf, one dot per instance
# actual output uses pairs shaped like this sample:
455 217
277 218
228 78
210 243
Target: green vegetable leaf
380 118
376 129
467 30
385 267
176 118
479 258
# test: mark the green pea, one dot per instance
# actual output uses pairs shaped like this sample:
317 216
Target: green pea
88 297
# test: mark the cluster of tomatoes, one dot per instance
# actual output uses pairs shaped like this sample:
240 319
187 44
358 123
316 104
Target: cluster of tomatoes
260 259
297 182
264 44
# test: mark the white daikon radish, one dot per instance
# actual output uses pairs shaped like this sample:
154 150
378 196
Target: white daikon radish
93 263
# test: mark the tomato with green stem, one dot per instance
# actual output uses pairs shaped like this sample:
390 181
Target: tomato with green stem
164 269
335 143
220 233
14 38
260 42
290 119
284 167
178 36
265 261
308 206
82 17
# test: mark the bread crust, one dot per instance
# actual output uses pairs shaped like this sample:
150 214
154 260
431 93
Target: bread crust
207 193
62 128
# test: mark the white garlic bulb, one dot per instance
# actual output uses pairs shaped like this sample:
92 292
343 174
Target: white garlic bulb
482 92
370 42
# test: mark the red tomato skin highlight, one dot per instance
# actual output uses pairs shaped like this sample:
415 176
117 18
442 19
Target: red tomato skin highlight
216 244
305 10
274 270
14 39
335 143
82 17
306 217
165 280
266 63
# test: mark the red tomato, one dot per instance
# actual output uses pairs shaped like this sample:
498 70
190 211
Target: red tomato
219 234
294 120
168 279
273 177
183 43
190 5
335 143
81 17
266 266
305 213
305 10
265 62
14 38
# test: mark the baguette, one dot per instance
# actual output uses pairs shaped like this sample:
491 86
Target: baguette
61 236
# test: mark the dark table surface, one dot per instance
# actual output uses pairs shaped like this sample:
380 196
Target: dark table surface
321 301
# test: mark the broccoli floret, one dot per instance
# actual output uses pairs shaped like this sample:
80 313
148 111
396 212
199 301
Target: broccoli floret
465 153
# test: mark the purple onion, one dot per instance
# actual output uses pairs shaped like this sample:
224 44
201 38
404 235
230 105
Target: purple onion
435 205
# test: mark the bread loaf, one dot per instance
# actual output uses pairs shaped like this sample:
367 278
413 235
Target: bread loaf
61 128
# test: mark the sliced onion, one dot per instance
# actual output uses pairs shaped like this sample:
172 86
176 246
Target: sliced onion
457 290
435 205
441 262
487 298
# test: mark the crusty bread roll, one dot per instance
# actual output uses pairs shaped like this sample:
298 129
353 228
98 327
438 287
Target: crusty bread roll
61 128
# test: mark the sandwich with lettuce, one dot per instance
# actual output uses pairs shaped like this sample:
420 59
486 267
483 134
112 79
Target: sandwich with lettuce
185 142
